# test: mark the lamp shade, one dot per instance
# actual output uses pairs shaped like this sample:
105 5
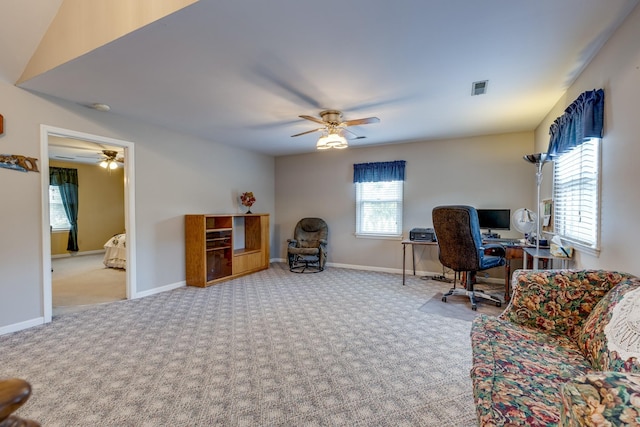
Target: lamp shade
332 140
536 158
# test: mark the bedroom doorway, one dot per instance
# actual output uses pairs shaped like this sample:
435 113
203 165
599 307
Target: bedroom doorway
66 148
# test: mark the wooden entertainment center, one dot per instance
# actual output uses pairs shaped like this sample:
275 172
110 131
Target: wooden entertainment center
223 247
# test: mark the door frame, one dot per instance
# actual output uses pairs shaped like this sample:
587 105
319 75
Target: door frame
129 209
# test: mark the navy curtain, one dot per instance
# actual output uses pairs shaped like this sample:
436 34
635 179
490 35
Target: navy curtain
583 119
67 181
379 171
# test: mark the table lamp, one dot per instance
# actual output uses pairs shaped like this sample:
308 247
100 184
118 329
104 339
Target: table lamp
538 159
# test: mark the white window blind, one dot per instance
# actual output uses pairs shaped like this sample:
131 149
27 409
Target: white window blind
576 194
379 208
57 215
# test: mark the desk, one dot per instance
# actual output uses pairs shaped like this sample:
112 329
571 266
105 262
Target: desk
542 254
511 252
413 243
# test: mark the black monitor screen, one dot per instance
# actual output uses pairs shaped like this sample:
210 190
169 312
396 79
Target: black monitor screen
494 219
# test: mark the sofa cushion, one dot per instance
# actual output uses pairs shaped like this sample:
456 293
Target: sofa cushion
610 336
602 399
517 372
558 301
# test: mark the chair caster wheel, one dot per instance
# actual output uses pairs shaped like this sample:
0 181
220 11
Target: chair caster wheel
498 304
444 299
474 307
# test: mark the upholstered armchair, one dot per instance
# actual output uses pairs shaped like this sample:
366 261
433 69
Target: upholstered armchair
307 251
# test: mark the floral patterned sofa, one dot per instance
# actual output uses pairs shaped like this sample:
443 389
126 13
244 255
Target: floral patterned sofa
565 351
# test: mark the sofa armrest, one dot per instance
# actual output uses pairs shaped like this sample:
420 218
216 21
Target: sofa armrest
602 398
557 301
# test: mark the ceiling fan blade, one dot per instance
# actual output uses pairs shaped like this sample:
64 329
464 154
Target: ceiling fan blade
352 136
309 131
366 121
313 119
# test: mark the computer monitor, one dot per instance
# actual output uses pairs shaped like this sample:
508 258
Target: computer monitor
494 219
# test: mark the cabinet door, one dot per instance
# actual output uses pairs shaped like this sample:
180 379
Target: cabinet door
247 262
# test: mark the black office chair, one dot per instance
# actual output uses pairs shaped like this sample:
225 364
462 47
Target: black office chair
461 249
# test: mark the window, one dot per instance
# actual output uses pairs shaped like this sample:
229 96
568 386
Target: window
57 215
379 196
379 208
576 194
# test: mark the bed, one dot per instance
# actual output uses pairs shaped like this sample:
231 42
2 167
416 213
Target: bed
115 255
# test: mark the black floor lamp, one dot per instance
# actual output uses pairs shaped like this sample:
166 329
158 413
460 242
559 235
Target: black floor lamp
538 159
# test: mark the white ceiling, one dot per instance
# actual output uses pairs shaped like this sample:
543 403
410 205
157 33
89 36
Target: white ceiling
240 72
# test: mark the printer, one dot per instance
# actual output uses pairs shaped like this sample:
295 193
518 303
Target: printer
422 234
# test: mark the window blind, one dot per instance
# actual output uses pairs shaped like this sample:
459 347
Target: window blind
576 193
379 208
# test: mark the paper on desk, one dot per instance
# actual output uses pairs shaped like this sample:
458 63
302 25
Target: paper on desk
558 249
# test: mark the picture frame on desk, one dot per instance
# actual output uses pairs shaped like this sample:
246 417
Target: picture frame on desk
547 215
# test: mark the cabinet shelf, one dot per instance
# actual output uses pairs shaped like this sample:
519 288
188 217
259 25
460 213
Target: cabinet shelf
222 247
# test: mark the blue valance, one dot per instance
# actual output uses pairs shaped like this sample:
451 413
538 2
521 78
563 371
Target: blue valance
583 119
379 171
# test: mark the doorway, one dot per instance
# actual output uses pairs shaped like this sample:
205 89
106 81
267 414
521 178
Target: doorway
126 148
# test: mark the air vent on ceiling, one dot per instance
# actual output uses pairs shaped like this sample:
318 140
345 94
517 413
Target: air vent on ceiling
479 88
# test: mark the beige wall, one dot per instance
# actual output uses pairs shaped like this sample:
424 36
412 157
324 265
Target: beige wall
616 69
175 174
484 171
100 208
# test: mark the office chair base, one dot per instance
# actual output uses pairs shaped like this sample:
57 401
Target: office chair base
472 296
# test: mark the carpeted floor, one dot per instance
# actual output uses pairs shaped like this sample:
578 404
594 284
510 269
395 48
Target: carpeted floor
338 348
81 281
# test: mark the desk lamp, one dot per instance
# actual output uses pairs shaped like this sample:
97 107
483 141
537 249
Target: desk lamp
538 159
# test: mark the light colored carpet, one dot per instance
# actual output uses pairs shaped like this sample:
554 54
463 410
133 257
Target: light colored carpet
337 348
84 280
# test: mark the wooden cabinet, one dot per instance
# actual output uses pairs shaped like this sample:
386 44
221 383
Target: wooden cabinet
222 247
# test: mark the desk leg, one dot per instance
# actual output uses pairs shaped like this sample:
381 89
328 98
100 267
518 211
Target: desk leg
404 258
413 258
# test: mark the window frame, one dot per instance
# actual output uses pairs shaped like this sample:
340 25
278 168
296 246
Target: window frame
360 210
561 212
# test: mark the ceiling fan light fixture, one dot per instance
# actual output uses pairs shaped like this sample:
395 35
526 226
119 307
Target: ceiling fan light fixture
322 143
331 140
335 140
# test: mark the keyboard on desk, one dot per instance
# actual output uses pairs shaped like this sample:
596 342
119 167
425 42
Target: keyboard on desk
503 241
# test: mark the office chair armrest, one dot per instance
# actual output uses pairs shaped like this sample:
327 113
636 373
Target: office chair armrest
292 242
494 249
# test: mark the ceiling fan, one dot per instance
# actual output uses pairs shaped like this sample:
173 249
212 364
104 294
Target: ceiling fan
108 159
111 159
334 129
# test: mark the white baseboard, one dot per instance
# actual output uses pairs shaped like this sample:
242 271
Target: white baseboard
409 272
22 325
165 288
69 255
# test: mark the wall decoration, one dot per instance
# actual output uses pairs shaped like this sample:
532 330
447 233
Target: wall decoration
19 163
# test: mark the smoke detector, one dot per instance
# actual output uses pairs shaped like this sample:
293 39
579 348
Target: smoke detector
479 88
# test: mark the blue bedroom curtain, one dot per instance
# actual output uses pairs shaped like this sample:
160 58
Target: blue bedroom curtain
67 181
379 171
582 120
